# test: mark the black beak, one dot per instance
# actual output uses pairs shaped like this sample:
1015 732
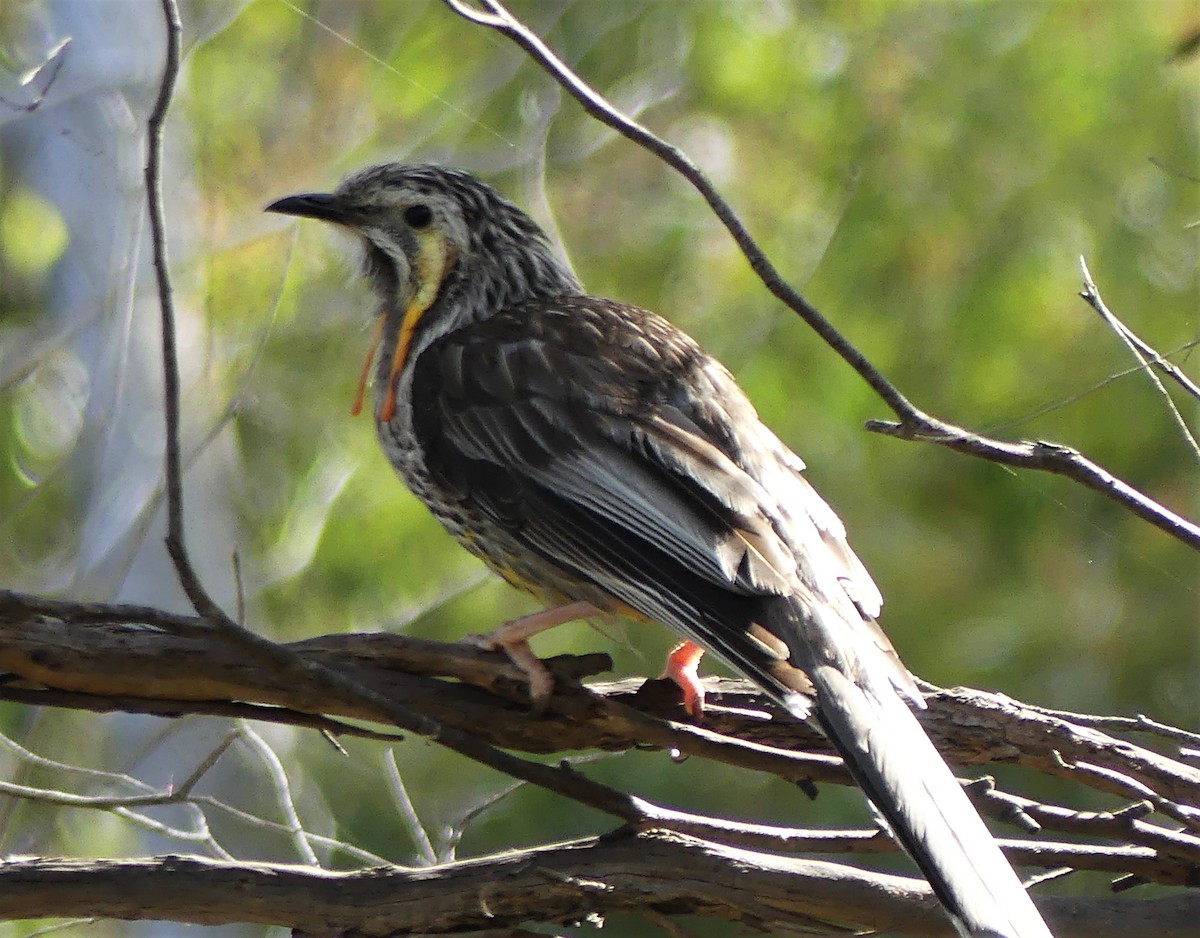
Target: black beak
319 205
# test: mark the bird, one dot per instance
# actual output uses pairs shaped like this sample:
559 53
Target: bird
593 454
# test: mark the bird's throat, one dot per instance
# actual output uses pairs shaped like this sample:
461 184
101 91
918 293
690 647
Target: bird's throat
376 338
404 337
436 257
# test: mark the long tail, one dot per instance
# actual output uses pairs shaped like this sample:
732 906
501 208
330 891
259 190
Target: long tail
898 768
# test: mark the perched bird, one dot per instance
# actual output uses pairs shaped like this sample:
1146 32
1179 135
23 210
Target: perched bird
594 455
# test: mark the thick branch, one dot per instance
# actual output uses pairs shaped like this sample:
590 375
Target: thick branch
111 666
663 873
47 644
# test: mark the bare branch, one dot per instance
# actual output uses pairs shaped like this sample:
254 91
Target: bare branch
912 423
407 811
125 662
176 544
1145 355
1187 815
109 802
487 697
1127 825
665 873
283 793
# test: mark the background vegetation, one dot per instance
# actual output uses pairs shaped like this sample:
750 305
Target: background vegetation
927 174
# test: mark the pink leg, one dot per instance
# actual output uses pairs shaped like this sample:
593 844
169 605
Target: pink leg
682 665
513 637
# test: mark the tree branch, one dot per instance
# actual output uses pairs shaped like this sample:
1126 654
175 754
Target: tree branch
138 668
1147 358
665 873
912 422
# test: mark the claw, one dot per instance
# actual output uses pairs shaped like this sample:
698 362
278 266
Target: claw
682 668
513 638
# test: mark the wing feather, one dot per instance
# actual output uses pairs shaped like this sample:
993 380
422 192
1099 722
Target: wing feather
639 473
652 480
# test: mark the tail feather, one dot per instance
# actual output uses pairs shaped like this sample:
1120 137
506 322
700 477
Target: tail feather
903 775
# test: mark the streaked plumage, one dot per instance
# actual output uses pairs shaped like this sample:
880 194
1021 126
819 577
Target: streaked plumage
590 451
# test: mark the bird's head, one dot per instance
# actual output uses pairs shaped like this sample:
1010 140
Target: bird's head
440 248
426 230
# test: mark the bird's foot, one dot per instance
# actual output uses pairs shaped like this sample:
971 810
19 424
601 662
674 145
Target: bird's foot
513 639
683 669
541 681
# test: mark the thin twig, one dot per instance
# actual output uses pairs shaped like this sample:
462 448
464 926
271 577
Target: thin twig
1145 355
124 806
176 546
1065 401
407 810
1186 815
283 792
366 857
596 105
161 707
1137 724
149 796
60 926
182 795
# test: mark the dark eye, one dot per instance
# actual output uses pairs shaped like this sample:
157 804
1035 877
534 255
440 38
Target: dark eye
418 216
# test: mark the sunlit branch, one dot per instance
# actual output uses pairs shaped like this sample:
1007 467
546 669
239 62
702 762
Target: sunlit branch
912 423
